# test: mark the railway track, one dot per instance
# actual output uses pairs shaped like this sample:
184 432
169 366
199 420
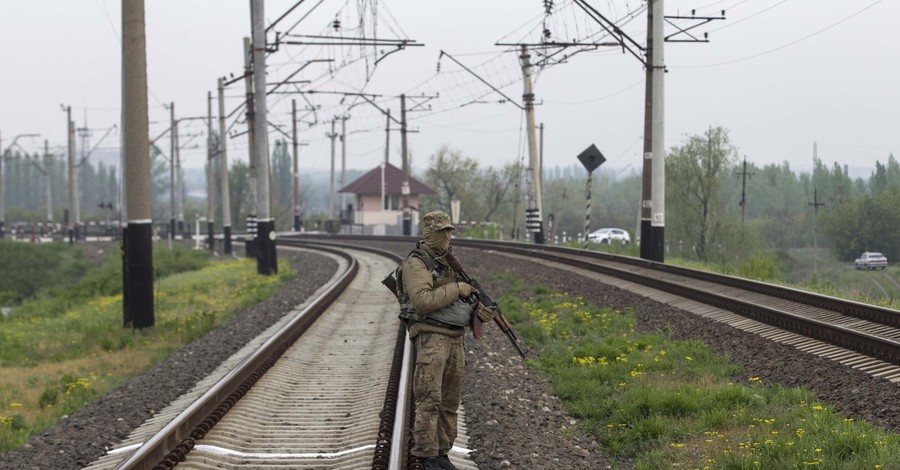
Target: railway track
861 335
326 388
326 403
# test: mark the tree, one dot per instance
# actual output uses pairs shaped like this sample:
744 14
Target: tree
451 175
695 175
496 185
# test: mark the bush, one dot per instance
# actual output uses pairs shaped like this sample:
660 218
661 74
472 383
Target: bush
38 267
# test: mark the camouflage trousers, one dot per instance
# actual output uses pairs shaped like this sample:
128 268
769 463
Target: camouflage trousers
437 389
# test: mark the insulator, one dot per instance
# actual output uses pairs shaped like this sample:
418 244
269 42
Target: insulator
336 24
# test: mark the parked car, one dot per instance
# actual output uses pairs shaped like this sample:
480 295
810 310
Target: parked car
606 235
870 260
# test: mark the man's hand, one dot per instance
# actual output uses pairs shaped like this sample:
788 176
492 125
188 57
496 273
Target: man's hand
484 314
465 290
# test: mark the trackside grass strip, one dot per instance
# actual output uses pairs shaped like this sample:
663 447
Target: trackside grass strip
673 404
55 359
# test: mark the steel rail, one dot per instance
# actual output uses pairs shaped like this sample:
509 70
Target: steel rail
170 445
864 343
395 415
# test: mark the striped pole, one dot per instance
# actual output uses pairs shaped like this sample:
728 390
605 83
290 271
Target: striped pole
587 214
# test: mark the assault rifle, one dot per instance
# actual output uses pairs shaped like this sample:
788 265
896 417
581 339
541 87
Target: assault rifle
481 297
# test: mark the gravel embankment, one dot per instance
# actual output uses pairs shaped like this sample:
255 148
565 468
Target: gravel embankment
514 421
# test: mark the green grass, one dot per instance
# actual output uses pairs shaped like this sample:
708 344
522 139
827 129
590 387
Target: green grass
59 353
674 404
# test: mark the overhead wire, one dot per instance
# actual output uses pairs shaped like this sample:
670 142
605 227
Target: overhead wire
783 46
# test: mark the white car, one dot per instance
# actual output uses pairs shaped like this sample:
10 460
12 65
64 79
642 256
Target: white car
870 260
607 235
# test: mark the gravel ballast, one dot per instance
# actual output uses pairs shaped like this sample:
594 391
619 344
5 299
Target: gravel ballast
514 421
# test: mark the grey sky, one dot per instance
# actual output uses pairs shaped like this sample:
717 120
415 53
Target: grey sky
778 74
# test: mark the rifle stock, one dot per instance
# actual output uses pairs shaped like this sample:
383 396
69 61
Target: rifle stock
482 297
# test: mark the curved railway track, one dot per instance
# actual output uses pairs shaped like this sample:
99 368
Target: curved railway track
866 330
327 388
335 396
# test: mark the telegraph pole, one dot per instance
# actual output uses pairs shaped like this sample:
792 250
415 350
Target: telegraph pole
267 260
210 154
295 144
138 247
534 221
223 171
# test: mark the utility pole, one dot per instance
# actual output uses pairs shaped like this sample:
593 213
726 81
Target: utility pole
267 262
333 135
73 179
653 189
295 144
223 171
172 146
744 175
534 221
816 204
253 243
210 154
48 180
250 115
138 246
343 165
404 189
179 186
387 138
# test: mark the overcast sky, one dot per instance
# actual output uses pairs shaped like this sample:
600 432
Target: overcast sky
778 74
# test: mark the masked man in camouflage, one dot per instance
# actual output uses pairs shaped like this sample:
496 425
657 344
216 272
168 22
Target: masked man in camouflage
432 306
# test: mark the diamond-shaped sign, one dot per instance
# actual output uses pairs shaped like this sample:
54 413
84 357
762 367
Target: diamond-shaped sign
591 158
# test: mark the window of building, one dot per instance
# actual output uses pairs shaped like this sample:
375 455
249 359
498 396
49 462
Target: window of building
391 202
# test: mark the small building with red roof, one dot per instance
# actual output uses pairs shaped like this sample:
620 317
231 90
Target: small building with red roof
378 198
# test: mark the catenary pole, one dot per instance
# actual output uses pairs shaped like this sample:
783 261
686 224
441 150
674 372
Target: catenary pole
138 248
179 186
534 221
343 165
73 176
223 171
210 155
172 144
387 138
333 135
266 261
295 179
404 189
653 188
48 180
253 243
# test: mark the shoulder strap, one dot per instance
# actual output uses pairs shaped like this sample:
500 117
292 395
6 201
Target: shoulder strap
429 261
